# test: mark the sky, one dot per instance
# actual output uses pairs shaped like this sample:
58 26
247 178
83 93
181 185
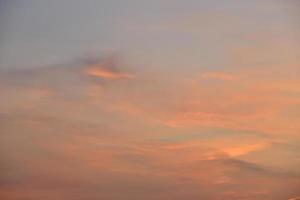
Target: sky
152 100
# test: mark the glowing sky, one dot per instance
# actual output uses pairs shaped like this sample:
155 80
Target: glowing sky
149 100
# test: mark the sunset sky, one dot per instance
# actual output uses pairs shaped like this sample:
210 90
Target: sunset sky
149 100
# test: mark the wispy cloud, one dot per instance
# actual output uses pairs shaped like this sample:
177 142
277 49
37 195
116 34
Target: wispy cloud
147 132
106 74
294 198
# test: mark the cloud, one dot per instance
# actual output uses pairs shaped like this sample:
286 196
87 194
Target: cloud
76 73
108 68
146 140
245 149
106 74
93 156
294 198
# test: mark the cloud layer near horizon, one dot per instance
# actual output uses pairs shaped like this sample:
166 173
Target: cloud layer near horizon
96 129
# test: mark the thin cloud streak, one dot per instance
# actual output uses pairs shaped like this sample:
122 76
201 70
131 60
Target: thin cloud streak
98 72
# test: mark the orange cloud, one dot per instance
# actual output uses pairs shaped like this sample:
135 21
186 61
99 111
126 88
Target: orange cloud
242 150
294 198
107 74
110 137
